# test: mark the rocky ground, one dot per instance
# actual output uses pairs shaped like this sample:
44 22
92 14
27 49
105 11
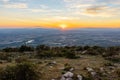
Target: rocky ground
84 68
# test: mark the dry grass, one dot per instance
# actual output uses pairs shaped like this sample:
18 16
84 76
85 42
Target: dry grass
79 65
50 72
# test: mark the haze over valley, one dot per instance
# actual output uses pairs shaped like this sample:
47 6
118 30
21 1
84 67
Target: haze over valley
55 37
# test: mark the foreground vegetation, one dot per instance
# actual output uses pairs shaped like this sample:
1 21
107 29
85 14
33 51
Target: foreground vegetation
47 63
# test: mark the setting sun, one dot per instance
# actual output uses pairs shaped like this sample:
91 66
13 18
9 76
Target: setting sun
63 26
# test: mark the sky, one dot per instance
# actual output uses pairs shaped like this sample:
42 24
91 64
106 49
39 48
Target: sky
60 13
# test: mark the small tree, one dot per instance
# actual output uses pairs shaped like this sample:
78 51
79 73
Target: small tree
45 54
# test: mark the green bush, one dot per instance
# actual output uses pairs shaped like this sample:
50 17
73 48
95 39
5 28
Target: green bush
21 59
41 48
115 59
22 71
8 73
118 72
5 56
70 55
45 54
108 64
67 67
25 48
91 51
26 71
9 49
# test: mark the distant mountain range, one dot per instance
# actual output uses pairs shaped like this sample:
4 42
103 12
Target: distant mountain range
55 37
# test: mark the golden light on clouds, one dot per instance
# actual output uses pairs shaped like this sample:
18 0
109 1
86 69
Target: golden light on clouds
62 14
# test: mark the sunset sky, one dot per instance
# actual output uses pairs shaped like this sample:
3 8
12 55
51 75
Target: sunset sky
60 13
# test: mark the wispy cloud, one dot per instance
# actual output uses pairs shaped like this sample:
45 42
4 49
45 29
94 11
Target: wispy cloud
16 5
5 1
37 10
102 11
13 4
94 7
44 6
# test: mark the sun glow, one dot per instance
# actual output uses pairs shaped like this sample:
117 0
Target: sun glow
63 26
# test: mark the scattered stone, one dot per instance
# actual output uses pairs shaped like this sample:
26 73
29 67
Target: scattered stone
3 61
93 74
72 69
111 67
71 76
79 77
109 72
102 69
68 75
51 66
62 78
52 63
112 71
61 68
84 52
69 79
89 69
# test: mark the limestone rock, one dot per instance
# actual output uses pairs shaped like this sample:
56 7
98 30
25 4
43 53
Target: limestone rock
79 77
89 69
72 69
68 75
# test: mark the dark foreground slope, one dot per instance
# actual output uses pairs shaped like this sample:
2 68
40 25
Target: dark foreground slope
57 63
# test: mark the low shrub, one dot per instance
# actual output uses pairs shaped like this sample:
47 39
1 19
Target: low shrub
22 71
70 55
21 59
118 72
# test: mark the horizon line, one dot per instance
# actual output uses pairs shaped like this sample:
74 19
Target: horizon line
57 28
